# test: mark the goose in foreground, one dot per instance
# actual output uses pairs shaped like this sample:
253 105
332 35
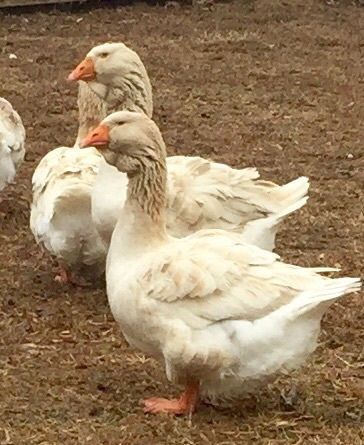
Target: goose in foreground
201 194
220 313
12 143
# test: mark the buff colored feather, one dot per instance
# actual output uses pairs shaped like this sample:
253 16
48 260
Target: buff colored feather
201 193
215 309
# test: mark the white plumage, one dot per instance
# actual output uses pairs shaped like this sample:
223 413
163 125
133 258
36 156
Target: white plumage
60 216
217 309
220 313
12 143
77 194
201 193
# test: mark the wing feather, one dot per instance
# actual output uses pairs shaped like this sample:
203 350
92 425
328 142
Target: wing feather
215 276
204 194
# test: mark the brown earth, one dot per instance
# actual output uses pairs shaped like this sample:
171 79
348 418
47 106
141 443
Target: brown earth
272 84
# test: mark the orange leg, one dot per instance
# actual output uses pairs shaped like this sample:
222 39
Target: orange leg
64 276
79 281
67 277
186 404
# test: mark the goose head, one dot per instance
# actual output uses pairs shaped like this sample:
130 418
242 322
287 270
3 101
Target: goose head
117 75
131 141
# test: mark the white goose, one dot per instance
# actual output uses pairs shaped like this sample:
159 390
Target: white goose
68 183
201 193
12 143
60 216
218 312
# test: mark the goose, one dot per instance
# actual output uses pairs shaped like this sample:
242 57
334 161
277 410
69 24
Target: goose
201 193
82 188
60 216
12 143
218 312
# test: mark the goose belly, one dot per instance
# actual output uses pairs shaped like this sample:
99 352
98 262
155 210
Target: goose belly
261 350
125 301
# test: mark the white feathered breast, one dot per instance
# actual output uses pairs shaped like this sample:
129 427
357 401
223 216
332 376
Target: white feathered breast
12 143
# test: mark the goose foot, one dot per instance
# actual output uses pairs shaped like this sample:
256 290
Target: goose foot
186 404
66 277
63 277
80 281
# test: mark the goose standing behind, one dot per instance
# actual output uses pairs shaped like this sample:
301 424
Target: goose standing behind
201 193
12 143
70 185
60 216
219 313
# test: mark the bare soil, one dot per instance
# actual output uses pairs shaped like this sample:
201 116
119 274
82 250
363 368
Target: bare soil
274 84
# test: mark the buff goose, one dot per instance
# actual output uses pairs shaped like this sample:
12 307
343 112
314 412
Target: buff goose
12 143
202 194
219 313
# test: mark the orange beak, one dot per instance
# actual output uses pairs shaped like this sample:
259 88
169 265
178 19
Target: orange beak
98 136
84 71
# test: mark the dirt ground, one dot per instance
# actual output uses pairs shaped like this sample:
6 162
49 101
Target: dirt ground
274 84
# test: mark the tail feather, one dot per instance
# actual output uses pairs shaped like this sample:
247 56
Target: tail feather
279 216
262 232
291 193
323 269
329 292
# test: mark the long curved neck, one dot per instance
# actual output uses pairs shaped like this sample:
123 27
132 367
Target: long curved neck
96 101
126 98
91 110
131 91
147 193
141 225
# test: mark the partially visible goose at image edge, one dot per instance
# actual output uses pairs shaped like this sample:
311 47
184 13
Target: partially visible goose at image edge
201 193
12 143
220 314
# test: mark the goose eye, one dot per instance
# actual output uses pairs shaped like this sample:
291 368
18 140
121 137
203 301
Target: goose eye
104 55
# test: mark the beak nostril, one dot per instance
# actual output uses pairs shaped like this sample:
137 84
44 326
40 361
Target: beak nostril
82 68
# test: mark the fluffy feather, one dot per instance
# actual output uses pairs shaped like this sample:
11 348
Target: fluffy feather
219 310
60 216
204 194
12 143
213 308
201 193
